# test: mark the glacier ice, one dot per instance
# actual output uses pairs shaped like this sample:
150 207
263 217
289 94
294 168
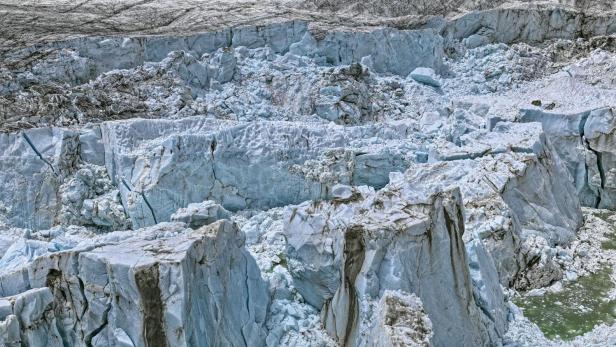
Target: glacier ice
301 180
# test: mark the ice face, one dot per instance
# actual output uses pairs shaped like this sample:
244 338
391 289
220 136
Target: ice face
297 181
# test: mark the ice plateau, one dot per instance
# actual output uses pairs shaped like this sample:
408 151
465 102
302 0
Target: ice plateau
307 173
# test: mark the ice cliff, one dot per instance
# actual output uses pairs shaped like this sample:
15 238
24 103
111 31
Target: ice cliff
300 182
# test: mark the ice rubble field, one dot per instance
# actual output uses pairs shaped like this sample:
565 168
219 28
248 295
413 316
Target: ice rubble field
287 184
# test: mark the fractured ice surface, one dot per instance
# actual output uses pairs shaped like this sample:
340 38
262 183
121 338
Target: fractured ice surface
168 283
301 184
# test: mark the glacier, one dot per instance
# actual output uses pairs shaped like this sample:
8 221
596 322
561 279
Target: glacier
398 173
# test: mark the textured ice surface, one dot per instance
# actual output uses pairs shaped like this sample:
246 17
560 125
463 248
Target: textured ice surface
303 173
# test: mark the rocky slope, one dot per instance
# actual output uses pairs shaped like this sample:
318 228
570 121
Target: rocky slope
310 173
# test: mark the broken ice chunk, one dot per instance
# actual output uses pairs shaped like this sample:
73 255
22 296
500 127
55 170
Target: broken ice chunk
199 214
426 75
342 192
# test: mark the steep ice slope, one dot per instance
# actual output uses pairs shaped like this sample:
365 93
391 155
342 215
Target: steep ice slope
166 286
360 205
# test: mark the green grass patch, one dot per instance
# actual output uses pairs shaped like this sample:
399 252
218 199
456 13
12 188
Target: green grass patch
283 260
604 215
574 311
610 243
